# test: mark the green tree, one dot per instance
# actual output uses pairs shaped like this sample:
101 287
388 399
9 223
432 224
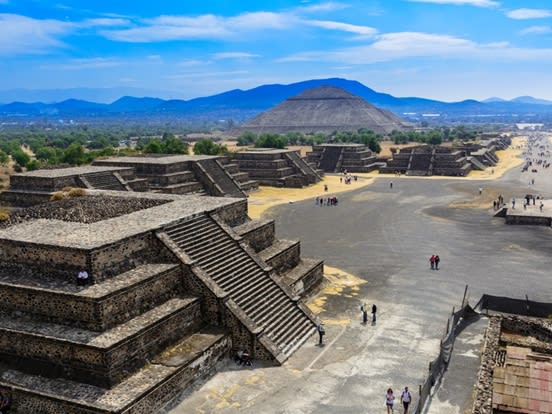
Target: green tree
173 145
4 158
153 147
247 138
33 165
208 147
271 141
74 154
20 157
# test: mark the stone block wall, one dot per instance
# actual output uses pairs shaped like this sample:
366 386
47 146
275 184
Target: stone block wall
43 354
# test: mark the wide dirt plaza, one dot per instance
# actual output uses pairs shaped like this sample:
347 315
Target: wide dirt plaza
376 244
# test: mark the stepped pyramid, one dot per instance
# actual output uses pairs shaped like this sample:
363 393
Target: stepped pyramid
177 282
324 109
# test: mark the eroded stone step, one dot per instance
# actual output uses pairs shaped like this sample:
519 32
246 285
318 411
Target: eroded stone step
101 358
146 391
96 307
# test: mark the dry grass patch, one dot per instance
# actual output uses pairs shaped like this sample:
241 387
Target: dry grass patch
67 192
4 214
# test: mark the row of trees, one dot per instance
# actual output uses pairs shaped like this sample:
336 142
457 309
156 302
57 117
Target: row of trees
270 140
435 136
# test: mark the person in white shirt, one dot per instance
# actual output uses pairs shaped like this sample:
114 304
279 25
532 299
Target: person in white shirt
82 278
406 399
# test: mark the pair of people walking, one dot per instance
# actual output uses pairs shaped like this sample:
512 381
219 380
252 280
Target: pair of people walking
364 310
434 261
406 400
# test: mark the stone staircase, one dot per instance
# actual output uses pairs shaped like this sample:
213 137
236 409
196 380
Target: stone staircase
218 178
236 271
103 181
303 167
330 158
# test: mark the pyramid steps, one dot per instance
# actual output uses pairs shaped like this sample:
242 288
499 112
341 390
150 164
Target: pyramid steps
248 284
147 390
101 358
95 307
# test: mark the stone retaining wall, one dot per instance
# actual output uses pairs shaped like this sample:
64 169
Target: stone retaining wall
104 367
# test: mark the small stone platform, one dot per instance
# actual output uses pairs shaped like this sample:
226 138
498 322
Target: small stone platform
531 215
277 167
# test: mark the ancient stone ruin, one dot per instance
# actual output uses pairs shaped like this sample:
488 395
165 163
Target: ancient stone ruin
172 174
324 109
426 160
332 158
276 167
441 160
176 282
516 367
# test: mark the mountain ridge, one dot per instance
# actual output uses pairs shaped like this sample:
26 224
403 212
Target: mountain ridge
241 105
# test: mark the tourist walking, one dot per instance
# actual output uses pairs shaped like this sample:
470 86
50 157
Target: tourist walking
374 310
391 185
364 310
432 261
389 400
406 399
437 260
321 332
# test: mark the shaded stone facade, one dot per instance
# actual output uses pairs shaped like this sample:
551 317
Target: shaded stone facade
334 158
427 160
173 287
277 168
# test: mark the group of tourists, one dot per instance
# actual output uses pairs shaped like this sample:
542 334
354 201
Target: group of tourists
434 261
405 399
326 201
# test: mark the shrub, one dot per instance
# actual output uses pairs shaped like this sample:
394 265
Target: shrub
4 214
76 192
57 196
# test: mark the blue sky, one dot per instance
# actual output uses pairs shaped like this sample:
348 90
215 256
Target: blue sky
441 49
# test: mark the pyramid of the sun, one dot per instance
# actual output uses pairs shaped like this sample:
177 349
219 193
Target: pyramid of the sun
324 109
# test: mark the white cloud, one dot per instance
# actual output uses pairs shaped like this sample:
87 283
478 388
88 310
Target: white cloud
537 30
193 62
209 26
476 3
234 55
25 35
400 45
525 14
88 63
260 20
364 31
166 28
322 7
106 22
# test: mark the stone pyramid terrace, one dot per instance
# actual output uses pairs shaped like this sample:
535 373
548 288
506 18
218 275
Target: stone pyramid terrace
177 283
171 174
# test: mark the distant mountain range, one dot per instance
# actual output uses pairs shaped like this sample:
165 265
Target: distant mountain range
240 105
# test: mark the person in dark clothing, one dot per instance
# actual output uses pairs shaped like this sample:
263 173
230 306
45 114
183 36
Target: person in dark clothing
374 310
321 333
437 260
